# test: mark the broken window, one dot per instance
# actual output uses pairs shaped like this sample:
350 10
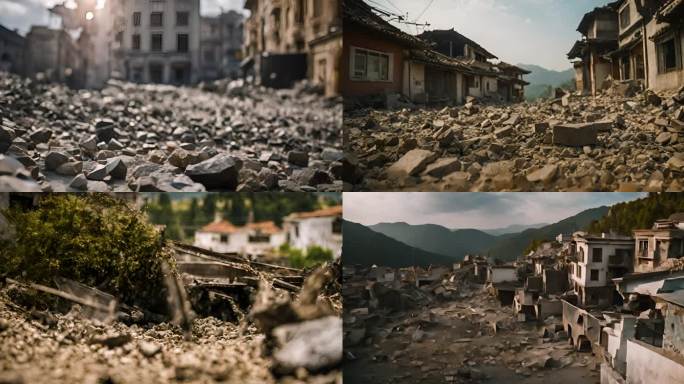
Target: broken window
156 19
182 42
136 19
597 255
156 42
625 17
669 55
136 42
182 18
594 275
370 66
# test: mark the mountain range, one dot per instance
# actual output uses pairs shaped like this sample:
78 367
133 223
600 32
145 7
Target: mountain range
396 244
361 245
542 79
513 228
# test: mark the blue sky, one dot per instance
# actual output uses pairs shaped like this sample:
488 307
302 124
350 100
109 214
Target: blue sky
473 210
21 14
517 31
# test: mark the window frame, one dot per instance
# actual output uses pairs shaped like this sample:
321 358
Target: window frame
628 8
352 61
187 42
673 36
591 275
136 38
161 19
137 19
161 42
178 18
599 255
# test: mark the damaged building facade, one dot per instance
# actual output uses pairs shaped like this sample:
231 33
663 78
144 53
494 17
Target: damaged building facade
161 41
632 41
291 40
442 66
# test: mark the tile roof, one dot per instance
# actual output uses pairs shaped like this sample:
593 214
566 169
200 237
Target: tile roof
360 13
325 212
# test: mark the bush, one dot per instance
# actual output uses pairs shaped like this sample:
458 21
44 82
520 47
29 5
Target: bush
315 255
94 239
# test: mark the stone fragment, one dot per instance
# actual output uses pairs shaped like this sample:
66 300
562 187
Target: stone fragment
41 136
54 159
544 175
79 182
313 345
219 172
575 135
298 158
104 129
116 169
443 167
412 163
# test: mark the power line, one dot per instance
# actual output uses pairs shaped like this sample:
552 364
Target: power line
395 7
424 10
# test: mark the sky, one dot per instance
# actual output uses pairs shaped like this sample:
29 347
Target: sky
537 32
21 14
473 210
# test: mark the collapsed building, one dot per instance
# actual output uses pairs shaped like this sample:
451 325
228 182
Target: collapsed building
441 66
287 41
637 42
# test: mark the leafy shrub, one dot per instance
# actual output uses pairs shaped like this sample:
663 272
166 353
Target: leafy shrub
315 255
95 239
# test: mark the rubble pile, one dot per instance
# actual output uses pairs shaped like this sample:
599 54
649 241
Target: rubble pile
393 334
156 138
267 324
618 140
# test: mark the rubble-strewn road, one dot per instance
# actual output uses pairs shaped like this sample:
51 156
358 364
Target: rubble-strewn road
465 338
72 349
160 138
621 143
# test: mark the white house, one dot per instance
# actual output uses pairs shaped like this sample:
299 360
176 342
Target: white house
252 239
502 274
600 258
322 227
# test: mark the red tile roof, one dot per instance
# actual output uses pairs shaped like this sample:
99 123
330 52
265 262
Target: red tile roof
325 212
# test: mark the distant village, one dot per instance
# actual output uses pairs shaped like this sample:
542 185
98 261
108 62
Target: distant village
300 230
171 43
621 298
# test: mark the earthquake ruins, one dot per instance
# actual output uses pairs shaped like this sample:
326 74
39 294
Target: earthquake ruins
226 136
230 319
581 308
438 113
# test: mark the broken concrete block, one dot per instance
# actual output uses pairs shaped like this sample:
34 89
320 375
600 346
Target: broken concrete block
544 175
411 163
575 135
443 167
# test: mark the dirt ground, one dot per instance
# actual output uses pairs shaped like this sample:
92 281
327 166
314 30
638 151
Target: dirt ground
454 342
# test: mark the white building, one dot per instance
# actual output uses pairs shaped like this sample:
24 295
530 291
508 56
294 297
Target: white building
599 259
502 274
161 41
322 227
252 239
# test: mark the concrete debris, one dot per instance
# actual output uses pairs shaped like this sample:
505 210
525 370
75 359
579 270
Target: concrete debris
440 324
597 143
145 137
73 341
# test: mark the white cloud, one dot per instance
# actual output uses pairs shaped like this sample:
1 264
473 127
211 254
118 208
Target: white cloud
472 210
